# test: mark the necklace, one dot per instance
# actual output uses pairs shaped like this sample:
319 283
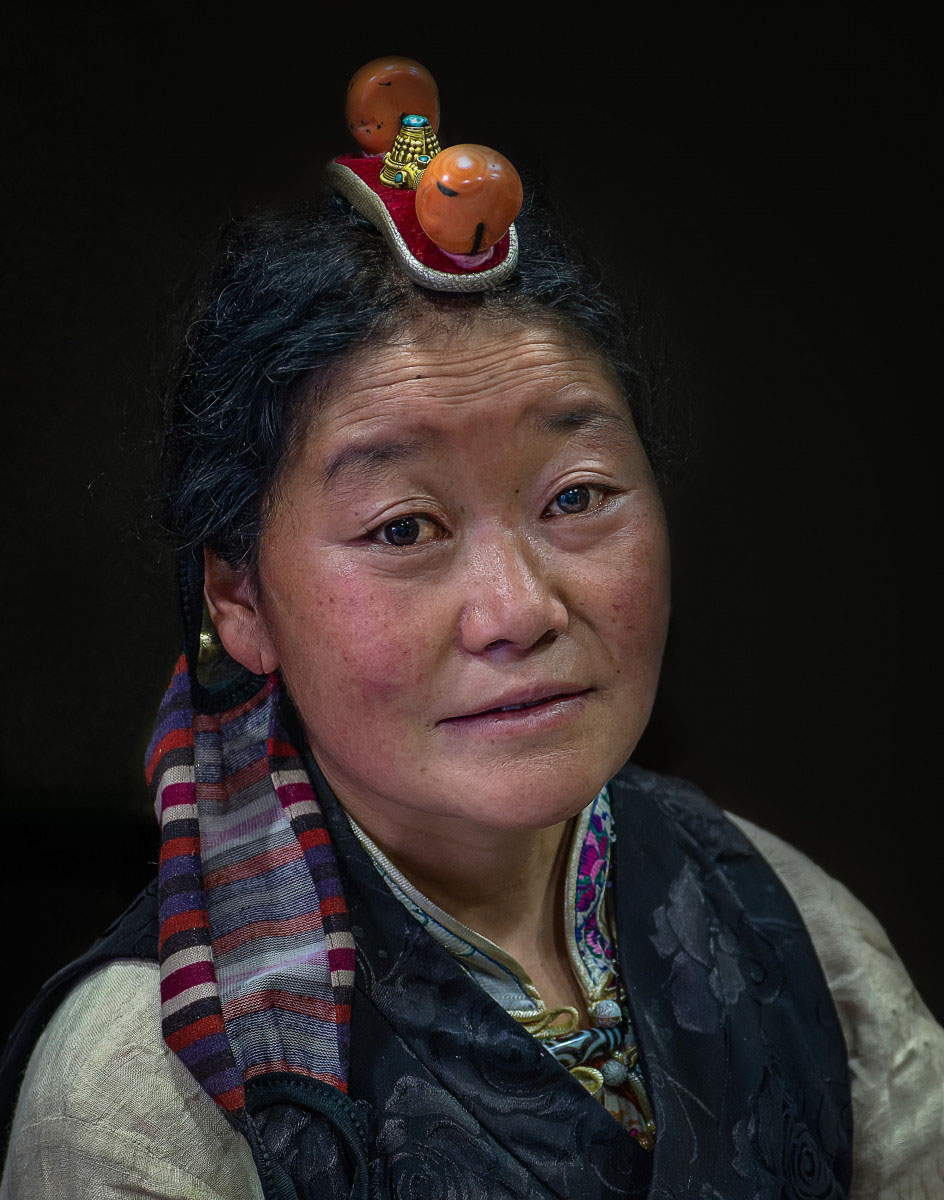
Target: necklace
604 1058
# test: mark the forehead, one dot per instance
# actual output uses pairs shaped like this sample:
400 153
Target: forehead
461 380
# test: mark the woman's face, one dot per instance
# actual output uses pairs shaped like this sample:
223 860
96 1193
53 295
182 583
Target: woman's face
465 580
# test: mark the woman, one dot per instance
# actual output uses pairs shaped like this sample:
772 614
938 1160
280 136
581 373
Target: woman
421 929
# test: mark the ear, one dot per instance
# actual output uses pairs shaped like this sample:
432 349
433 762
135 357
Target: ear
231 599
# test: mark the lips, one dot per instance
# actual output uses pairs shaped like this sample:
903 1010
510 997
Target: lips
522 700
516 707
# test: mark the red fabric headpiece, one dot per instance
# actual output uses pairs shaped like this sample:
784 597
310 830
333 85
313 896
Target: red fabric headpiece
393 210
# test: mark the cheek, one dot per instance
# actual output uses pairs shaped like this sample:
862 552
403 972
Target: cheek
639 602
633 602
347 641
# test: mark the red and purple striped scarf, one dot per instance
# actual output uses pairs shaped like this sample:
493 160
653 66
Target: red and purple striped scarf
257 959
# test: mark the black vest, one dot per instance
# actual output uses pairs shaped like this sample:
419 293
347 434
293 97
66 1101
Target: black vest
449 1098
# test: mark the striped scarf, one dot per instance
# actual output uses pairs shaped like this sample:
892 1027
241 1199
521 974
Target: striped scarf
256 956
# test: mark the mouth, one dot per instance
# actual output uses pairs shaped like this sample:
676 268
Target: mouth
515 709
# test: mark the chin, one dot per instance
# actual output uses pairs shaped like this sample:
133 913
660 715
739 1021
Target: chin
532 798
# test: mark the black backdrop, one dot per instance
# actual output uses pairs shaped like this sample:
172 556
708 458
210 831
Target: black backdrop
768 183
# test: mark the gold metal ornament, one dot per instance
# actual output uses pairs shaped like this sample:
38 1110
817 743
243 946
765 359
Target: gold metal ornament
211 648
547 1023
590 1077
410 154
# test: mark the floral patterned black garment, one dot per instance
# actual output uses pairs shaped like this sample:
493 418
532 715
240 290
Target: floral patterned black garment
740 1041
738 1033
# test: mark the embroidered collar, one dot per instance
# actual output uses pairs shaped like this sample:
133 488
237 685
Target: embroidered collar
619 1085
589 940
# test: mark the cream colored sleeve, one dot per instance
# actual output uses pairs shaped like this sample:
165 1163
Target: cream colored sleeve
107 1112
896 1048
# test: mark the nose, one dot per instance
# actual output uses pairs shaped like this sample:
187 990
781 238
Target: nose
511 600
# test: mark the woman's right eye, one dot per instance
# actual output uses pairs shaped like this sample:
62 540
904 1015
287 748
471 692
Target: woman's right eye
407 531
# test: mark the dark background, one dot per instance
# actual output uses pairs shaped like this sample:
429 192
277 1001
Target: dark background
770 185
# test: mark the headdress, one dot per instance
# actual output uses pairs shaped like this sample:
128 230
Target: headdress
447 214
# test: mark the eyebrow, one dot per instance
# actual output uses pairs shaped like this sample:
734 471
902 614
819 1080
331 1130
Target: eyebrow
370 457
587 418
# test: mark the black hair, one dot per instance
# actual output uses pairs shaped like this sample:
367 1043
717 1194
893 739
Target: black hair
293 295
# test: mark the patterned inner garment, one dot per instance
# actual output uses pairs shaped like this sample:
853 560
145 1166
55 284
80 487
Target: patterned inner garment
603 1056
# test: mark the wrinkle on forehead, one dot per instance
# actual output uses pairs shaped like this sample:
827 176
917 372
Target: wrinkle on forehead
468 365
393 395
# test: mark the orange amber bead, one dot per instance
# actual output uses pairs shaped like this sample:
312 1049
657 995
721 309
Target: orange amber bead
381 92
467 198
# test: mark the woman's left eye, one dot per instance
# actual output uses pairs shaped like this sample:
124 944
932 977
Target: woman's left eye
572 500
